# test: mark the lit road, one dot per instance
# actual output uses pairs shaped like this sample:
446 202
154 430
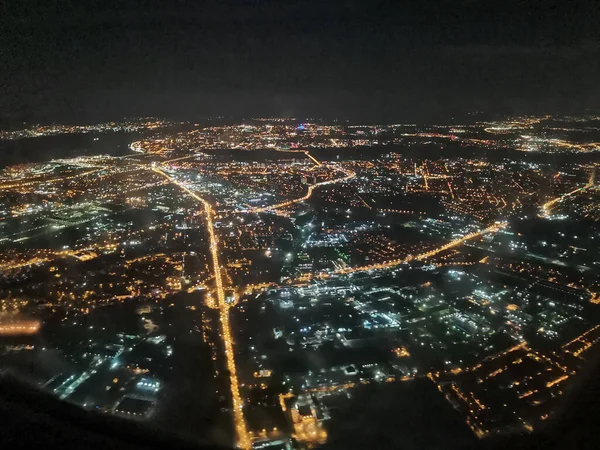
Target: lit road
311 188
291 150
237 403
315 160
546 207
491 229
223 307
306 152
29 182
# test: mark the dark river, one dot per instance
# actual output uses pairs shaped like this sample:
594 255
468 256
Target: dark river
45 148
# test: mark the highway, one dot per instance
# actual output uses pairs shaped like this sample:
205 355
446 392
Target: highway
315 160
226 336
306 152
388 264
491 229
311 188
546 207
244 440
286 203
40 180
292 150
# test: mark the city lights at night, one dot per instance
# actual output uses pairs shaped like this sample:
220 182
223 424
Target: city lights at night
402 266
299 224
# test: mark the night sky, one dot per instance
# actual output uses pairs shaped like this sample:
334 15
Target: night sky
364 60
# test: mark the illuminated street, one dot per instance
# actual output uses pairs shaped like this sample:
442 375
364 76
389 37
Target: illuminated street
299 225
311 188
331 259
426 255
236 400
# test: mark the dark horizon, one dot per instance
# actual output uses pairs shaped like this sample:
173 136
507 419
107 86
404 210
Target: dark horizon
361 60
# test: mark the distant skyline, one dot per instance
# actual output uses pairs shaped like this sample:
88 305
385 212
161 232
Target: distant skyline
378 60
